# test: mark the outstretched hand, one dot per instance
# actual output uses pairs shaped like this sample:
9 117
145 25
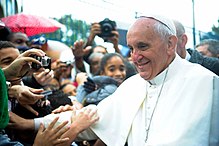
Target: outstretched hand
51 135
26 96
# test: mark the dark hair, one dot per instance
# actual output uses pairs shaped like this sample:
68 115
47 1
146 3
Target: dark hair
107 57
5 33
6 44
58 98
130 69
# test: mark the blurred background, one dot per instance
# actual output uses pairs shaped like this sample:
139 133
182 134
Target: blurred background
200 17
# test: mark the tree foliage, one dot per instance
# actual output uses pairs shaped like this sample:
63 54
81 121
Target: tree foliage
74 30
215 29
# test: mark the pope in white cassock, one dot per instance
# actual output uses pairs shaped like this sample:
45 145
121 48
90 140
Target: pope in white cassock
171 102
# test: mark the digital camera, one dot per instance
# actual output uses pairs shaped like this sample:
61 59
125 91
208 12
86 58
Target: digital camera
39 41
45 61
107 26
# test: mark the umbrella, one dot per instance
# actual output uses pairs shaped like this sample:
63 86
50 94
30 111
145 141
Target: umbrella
31 24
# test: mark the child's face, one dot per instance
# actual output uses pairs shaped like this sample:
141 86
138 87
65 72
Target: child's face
115 68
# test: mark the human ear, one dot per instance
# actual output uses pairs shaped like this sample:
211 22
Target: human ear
184 40
172 44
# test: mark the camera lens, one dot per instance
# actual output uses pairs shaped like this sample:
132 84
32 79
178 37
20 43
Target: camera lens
46 60
42 40
106 27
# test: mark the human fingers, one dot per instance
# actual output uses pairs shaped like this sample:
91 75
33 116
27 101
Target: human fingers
91 111
61 141
67 108
79 44
95 28
29 52
29 108
27 60
17 122
49 137
62 109
73 117
58 130
30 96
76 105
87 50
18 68
44 77
51 125
58 110
41 128
84 118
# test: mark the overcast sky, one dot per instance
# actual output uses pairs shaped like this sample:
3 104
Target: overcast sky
206 13
123 11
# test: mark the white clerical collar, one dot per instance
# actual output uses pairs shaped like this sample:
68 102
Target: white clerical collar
159 78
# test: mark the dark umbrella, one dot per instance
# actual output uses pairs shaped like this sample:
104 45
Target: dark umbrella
31 24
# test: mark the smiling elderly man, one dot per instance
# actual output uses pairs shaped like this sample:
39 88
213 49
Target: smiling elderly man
170 102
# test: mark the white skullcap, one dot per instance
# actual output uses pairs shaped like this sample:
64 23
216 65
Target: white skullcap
165 21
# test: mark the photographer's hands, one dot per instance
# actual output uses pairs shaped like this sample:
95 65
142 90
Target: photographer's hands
21 65
115 41
43 76
94 30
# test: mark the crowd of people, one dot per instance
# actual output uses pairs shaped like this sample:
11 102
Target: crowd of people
161 94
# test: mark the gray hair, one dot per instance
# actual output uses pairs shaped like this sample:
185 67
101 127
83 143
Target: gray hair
164 26
94 55
162 30
213 46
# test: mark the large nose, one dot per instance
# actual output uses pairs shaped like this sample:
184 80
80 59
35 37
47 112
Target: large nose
136 56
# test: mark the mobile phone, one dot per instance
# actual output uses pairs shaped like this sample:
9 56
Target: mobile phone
46 93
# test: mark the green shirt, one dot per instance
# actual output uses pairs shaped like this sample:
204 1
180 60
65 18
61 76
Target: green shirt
4 117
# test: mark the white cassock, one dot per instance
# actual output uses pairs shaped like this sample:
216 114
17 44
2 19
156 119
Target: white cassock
186 114
180 107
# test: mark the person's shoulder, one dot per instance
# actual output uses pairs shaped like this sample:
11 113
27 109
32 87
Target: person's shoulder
134 80
210 63
200 70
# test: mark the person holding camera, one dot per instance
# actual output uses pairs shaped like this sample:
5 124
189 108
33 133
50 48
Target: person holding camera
38 79
105 29
24 100
17 69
